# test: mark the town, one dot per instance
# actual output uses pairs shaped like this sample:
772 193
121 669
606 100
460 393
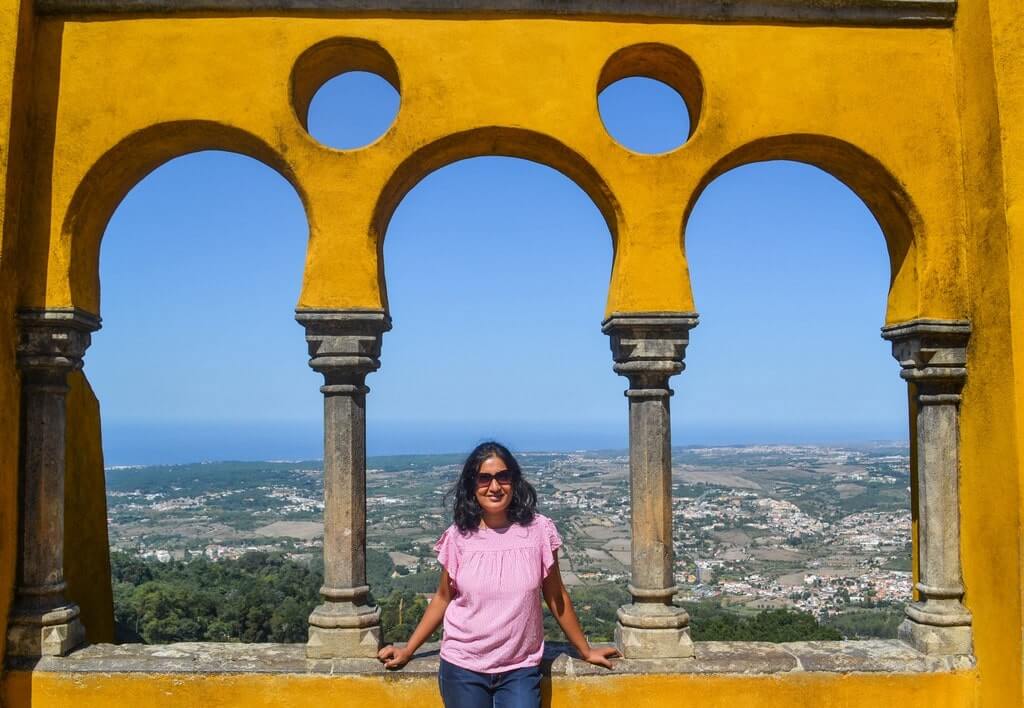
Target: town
820 529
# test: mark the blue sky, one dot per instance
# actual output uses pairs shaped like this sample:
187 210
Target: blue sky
201 266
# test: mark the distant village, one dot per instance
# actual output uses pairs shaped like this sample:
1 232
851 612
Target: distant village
819 529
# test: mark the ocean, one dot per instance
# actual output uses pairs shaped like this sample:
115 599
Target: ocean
176 442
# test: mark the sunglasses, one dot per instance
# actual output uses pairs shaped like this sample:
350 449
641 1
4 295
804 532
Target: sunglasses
483 479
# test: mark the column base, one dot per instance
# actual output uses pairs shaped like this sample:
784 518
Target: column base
36 637
653 632
343 642
342 631
936 640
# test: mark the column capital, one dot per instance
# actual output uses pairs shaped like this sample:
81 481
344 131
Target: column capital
54 340
649 345
344 345
930 349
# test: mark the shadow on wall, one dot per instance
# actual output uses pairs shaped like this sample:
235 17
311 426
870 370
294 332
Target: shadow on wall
86 556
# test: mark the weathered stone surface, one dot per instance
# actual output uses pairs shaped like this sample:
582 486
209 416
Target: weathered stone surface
652 615
933 357
936 639
877 655
344 346
737 658
742 658
51 345
647 643
25 638
335 642
845 12
648 349
930 348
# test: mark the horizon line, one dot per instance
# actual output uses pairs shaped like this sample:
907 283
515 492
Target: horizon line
881 442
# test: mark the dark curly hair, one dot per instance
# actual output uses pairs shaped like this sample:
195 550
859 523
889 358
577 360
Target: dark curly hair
466 509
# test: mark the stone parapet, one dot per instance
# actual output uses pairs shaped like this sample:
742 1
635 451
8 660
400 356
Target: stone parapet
710 658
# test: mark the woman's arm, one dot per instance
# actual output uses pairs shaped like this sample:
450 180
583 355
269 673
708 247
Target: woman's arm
397 657
561 607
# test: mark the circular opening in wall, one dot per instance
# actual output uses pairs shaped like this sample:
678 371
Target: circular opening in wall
352 110
649 98
346 92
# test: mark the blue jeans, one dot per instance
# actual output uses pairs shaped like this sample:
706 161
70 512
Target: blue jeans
462 688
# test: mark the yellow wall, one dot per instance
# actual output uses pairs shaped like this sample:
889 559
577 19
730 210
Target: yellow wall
1007 24
991 438
137 92
262 691
923 123
16 32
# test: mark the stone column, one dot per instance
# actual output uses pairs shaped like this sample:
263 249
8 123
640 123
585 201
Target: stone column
51 345
648 348
344 346
933 357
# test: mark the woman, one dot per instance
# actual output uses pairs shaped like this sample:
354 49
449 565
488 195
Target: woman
496 557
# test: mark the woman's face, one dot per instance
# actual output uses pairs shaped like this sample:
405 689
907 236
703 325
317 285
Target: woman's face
493 497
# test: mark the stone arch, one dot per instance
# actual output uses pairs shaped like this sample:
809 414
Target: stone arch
932 353
109 180
865 175
490 141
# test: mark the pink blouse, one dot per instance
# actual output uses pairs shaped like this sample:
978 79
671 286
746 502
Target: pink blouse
493 622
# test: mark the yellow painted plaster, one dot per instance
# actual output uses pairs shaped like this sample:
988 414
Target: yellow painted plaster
1007 23
262 691
990 482
16 33
922 123
136 92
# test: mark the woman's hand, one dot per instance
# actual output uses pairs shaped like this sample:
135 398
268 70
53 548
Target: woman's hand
600 656
394 657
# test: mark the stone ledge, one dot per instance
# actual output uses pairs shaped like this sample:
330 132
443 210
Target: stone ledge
838 12
736 658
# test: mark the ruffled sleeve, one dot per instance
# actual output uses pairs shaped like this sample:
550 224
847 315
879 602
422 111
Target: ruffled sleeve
448 552
550 542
